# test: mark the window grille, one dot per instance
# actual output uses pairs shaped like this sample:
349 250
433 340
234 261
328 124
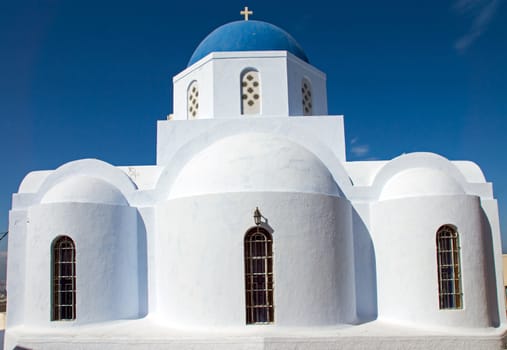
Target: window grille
64 279
250 92
259 276
449 268
306 91
193 101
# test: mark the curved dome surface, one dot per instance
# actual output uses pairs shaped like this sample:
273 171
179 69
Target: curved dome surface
84 189
420 182
247 36
253 162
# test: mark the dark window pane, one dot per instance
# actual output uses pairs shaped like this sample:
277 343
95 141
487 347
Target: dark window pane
448 260
258 276
64 279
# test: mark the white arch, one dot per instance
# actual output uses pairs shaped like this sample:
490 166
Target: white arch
185 153
92 168
421 160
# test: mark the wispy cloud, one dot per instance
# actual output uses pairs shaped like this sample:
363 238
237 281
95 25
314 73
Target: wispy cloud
481 12
358 149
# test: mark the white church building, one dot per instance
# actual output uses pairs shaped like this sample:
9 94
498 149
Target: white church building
253 231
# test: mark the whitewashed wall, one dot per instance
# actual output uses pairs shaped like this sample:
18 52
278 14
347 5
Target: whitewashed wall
105 238
219 79
404 234
200 244
297 70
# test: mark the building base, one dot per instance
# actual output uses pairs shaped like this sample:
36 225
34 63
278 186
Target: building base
145 334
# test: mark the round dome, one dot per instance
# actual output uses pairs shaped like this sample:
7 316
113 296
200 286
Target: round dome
84 189
253 162
420 182
247 36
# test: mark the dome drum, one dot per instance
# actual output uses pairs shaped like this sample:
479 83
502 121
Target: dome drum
313 262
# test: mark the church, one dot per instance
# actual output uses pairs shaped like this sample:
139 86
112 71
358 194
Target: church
252 230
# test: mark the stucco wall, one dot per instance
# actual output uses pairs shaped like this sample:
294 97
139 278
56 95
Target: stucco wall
200 245
404 236
297 70
178 141
218 76
16 267
105 238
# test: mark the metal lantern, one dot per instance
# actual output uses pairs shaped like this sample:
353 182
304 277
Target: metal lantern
257 216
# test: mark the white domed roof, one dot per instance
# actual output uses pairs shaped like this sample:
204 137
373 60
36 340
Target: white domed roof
253 162
84 189
420 182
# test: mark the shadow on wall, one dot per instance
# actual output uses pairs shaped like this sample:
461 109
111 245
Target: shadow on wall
490 271
365 271
142 266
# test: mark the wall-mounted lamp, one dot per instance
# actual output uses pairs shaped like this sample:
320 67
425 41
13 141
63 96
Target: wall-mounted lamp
257 216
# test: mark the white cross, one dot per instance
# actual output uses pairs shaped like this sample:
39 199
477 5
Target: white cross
246 12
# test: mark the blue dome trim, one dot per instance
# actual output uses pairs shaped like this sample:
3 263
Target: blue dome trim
247 36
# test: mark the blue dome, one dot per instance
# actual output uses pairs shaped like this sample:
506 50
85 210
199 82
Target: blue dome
247 36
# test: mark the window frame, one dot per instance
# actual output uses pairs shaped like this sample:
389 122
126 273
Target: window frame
258 259
254 95
306 97
63 279
193 100
450 290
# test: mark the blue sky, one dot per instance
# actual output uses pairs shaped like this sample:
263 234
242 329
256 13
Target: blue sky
81 79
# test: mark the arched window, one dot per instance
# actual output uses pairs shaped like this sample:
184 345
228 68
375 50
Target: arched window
306 93
449 268
250 92
64 279
193 100
259 276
